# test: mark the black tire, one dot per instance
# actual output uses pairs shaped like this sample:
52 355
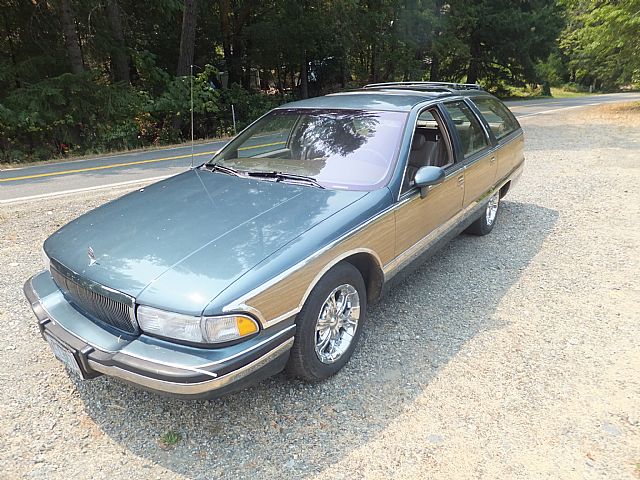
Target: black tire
303 362
482 226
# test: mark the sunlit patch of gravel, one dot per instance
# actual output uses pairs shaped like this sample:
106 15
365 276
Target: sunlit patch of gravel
509 356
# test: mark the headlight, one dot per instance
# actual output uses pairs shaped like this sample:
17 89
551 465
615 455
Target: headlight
45 259
195 329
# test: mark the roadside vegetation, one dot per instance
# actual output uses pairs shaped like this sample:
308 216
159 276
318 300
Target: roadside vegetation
169 439
90 76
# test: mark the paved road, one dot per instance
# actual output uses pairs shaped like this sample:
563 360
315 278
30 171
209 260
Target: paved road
42 181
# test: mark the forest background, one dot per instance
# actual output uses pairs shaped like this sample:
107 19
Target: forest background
90 76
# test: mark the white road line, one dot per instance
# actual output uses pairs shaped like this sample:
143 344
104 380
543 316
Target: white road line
527 105
544 112
81 190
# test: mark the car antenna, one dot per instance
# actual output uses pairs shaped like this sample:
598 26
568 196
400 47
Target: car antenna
191 90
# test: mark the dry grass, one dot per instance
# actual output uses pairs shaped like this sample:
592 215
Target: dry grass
616 113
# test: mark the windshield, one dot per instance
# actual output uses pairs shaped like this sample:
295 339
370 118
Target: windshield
340 149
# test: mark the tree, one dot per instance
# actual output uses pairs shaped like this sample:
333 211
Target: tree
120 57
71 36
236 19
187 38
505 38
84 75
602 41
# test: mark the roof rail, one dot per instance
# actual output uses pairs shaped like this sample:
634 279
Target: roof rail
437 86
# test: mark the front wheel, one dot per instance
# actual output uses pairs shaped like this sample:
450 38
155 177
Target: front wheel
329 324
484 224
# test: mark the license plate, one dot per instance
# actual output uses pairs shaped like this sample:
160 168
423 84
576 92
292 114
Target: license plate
65 356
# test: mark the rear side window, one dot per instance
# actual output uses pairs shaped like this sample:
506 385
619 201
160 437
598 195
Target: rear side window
469 129
500 119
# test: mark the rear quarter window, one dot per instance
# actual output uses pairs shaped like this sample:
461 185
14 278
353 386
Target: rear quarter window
470 132
501 121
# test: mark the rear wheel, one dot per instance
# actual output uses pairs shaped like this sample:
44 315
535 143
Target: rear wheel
484 224
329 324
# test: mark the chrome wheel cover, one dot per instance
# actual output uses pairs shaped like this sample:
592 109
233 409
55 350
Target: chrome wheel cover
492 209
337 323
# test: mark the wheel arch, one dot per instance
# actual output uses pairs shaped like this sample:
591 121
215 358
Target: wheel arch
504 189
368 264
369 267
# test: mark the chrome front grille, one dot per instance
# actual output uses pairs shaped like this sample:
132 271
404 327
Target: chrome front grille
97 306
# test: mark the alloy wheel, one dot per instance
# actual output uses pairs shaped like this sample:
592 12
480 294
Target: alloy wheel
337 323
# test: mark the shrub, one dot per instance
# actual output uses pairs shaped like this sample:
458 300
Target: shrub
77 114
67 113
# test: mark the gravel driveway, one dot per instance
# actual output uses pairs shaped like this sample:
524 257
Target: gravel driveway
514 355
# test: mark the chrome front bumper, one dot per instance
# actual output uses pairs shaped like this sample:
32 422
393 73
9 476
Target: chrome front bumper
152 363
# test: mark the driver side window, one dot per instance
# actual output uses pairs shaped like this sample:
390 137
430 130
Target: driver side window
429 146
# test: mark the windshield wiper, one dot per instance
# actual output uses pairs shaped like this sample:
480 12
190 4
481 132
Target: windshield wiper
283 177
216 167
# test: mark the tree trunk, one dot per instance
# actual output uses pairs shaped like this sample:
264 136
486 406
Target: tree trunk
304 76
279 85
234 18
225 29
373 66
187 38
434 73
472 72
239 74
247 75
119 59
232 49
12 52
474 64
71 40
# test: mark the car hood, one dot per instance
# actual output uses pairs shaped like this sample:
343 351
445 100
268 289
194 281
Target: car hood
179 243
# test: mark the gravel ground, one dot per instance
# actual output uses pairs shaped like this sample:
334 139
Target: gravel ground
509 356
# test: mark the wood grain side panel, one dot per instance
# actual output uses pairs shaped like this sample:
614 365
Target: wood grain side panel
509 155
419 216
289 294
479 177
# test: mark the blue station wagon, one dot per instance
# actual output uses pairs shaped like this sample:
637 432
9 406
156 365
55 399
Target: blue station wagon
266 257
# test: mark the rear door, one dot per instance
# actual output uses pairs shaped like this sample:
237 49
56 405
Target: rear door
506 131
475 150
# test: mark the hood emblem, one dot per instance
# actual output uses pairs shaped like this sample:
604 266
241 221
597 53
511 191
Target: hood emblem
92 257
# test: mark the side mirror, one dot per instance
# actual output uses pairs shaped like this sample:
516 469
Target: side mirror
427 176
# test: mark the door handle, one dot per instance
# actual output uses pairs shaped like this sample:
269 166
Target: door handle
461 180
492 159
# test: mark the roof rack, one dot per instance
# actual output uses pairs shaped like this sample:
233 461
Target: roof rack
432 86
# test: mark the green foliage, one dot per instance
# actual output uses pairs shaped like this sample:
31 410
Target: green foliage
67 112
573 87
507 38
256 55
169 439
78 114
553 70
248 106
602 41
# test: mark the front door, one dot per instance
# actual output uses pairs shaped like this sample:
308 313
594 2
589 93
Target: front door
419 220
